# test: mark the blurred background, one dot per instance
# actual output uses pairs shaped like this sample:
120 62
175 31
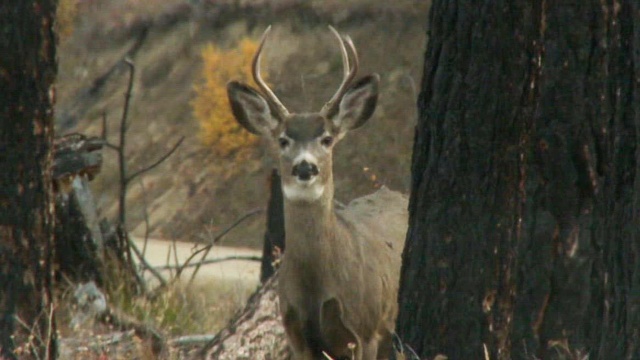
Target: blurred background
185 51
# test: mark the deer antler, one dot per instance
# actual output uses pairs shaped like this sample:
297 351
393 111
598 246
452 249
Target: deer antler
272 99
349 73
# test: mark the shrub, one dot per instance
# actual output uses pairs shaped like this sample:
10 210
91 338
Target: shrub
211 106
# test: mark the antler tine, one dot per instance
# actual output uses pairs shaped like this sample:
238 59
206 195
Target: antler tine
343 51
255 69
349 73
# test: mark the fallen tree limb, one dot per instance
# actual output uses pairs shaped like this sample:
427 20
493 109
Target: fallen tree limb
255 333
188 340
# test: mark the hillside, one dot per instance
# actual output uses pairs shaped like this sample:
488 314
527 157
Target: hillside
195 192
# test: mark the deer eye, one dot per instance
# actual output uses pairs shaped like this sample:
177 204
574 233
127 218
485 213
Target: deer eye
326 141
283 142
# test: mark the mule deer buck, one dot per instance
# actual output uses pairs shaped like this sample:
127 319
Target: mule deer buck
339 275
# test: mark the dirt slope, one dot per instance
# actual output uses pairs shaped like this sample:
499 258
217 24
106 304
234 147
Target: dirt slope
196 193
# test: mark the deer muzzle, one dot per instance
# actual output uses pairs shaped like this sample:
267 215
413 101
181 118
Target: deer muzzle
304 170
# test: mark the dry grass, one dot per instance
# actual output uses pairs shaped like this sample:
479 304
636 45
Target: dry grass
179 309
182 309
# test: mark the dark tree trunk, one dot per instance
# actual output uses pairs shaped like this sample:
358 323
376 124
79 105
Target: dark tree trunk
524 224
78 254
274 235
27 71
79 240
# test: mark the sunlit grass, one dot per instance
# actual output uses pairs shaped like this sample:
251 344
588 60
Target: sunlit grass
179 308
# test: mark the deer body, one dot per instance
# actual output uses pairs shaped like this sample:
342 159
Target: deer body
351 256
340 273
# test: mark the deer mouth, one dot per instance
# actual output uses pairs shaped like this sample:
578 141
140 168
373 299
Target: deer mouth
303 190
305 181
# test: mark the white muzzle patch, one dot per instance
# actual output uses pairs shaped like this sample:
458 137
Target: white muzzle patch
303 190
300 190
305 155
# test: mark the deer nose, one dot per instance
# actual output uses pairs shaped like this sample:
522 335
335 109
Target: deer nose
304 170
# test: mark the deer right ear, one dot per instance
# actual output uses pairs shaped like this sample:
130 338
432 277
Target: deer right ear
358 103
250 109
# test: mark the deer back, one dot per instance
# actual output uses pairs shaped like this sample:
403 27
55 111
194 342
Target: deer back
377 225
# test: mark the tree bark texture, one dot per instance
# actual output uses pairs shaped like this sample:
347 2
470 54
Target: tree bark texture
524 222
256 332
27 71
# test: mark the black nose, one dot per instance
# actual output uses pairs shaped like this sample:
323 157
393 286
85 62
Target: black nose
304 170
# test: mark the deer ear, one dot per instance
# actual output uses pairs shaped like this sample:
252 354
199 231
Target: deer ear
250 109
358 103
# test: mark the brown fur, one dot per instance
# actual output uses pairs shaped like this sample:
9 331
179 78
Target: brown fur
352 255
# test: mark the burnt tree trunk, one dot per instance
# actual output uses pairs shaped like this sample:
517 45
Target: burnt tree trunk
79 255
79 240
27 71
273 244
524 231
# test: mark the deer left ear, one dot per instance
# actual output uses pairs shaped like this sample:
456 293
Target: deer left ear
358 103
250 109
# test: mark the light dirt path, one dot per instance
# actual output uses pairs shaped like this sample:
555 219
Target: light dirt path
247 272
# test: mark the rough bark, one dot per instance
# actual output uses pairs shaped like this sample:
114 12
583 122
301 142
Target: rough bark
27 71
255 333
523 232
76 155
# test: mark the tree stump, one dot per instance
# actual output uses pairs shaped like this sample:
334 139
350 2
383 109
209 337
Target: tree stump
79 240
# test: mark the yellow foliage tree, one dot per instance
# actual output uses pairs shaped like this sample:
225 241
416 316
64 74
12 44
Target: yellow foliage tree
211 106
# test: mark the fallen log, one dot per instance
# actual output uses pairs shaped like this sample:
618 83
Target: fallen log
254 333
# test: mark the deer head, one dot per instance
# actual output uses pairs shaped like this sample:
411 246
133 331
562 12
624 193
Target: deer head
304 141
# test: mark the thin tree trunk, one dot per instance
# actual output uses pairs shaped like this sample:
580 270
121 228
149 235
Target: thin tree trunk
27 71
523 233
274 235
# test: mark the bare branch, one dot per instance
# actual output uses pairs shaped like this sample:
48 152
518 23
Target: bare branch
210 261
144 262
175 257
50 323
146 217
104 126
125 113
191 340
122 145
113 317
112 146
157 162
126 246
168 262
205 250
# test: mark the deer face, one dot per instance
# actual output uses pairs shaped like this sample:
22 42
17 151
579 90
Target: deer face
304 142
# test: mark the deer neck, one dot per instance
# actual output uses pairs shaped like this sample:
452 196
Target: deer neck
310 227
